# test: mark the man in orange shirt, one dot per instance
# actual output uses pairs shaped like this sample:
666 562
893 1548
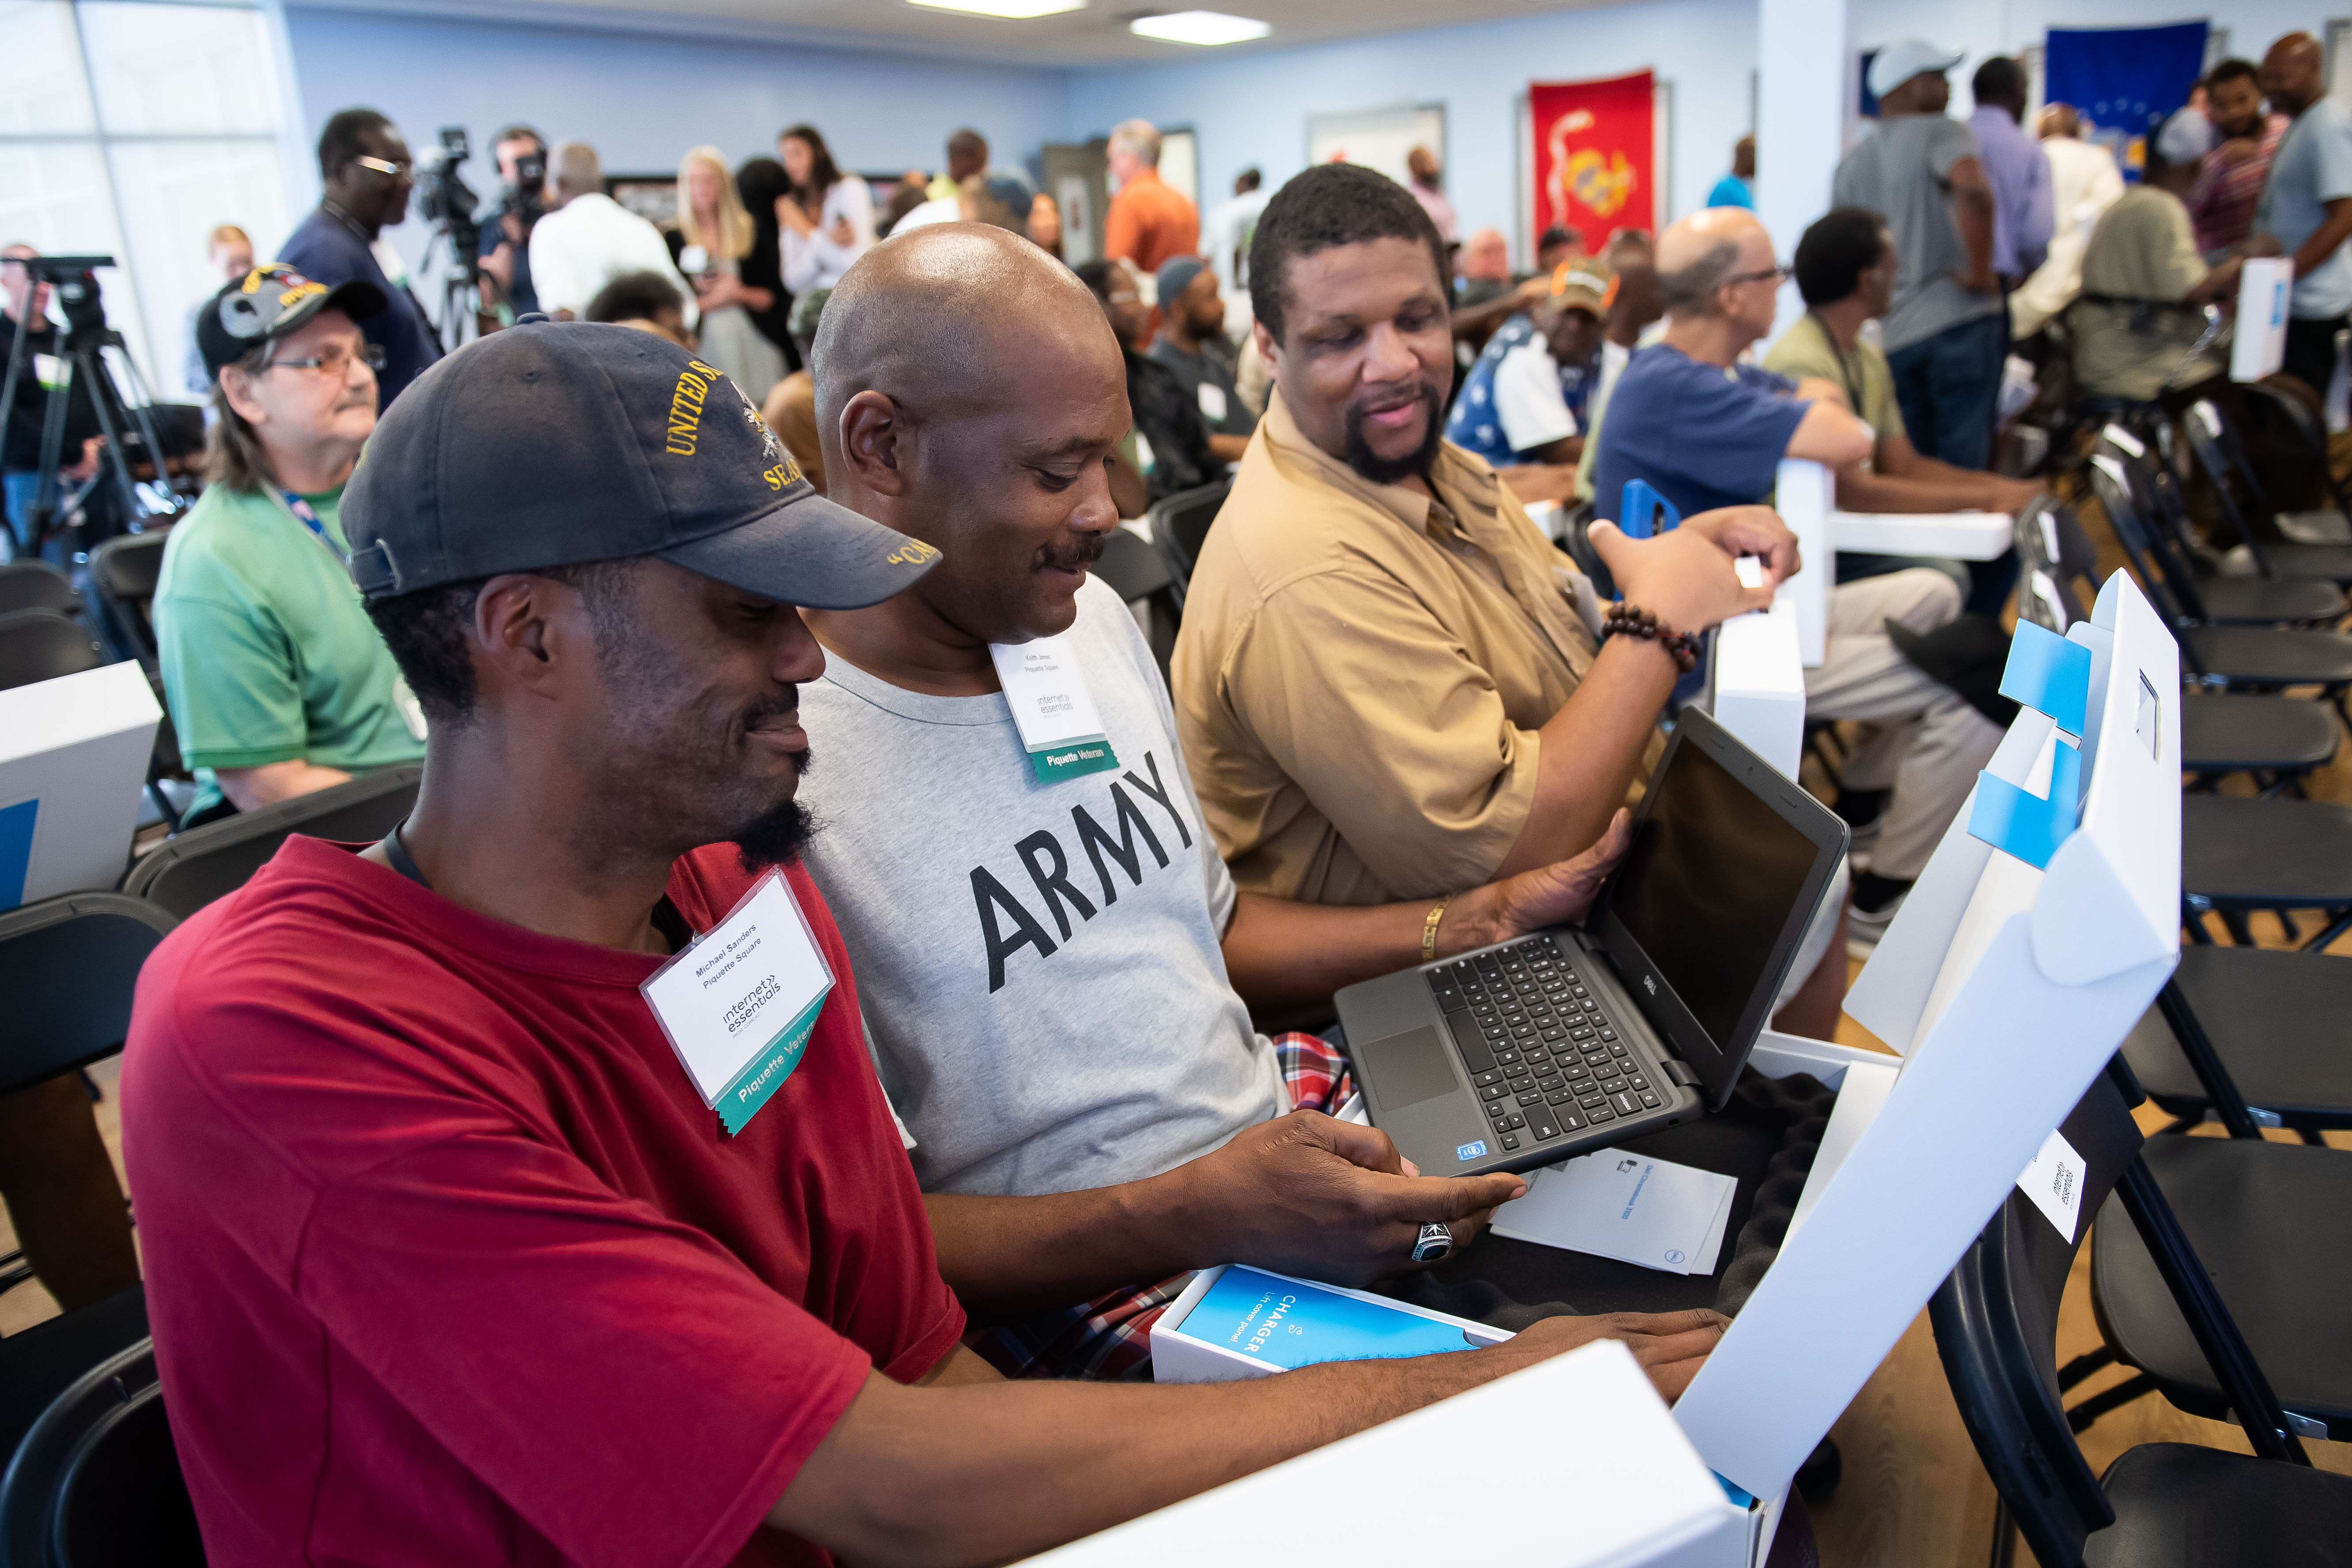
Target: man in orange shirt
1149 220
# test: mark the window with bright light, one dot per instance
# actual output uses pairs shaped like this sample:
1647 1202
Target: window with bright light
134 129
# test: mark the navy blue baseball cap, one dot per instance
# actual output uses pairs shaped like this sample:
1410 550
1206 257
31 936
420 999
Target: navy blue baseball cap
552 444
268 303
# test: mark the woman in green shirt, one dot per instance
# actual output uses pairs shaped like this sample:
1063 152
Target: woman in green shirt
278 683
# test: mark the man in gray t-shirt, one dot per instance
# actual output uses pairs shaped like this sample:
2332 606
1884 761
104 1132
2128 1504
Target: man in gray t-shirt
1056 970
1945 334
2307 205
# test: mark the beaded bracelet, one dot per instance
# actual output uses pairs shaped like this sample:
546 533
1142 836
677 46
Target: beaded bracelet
1623 619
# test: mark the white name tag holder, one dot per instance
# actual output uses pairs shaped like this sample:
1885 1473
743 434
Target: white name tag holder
741 1001
1052 709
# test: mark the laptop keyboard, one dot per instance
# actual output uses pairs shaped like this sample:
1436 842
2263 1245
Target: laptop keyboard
1544 1055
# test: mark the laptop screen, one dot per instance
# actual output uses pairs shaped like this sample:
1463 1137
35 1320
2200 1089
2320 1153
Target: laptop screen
1707 889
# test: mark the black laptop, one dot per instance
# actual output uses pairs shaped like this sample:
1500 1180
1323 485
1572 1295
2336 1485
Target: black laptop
1539 1048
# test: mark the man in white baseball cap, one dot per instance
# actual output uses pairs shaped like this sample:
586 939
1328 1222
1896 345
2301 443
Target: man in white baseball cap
1922 173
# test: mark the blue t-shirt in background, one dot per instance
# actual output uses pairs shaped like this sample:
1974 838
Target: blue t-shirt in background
324 249
1703 436
1731 191
2312 167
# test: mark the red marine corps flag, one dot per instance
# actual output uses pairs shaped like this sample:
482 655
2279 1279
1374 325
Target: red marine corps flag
1595 155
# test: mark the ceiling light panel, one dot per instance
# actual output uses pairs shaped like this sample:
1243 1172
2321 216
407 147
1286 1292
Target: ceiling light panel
1205 28
1014 10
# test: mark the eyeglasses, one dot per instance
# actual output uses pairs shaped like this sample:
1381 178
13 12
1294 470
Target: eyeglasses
384 167
334 361
1775 275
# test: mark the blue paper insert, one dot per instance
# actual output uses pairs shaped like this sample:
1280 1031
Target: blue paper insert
2049 675
2025 825
16 824
1289 1324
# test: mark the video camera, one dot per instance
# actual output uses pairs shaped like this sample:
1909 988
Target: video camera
75 280
443 196
528 198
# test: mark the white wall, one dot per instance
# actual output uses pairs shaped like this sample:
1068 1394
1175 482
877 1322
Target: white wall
1253 109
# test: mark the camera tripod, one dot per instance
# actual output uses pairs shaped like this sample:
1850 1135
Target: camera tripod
82 363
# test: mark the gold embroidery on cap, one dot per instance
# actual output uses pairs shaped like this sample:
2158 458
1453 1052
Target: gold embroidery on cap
914 553
686 406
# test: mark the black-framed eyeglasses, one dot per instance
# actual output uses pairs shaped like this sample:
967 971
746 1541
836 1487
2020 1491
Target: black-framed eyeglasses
385 166
1775 275
335 362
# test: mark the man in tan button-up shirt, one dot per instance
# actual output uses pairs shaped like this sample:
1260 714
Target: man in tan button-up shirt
1384 685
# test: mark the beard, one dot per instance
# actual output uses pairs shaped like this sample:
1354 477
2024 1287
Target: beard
778 834
1389 470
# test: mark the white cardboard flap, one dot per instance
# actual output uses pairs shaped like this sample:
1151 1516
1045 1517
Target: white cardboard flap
2258 346
1394 1493
1802 494
1756 684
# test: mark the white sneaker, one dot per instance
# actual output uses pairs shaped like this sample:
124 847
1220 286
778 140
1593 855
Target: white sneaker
1865 928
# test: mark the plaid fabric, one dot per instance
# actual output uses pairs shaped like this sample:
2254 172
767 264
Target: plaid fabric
1110 1338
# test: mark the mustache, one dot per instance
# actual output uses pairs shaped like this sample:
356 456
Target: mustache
1419 390
1076 556
785 704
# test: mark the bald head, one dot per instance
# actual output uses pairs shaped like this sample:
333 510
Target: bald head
926 318
2291 74
969 392
1698 256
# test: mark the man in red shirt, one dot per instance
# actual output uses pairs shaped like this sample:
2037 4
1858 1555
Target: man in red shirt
448 1258
1149 220
2229 186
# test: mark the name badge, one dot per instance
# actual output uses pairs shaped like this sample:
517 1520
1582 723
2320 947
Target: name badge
52 372
741 1002
389 260
1052 709
1213 403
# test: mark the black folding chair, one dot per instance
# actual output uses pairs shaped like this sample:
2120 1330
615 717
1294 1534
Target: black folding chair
2257 658
2161 1505
2288 414
2159 543
2253 1036
97 1481
41 645
2238 491
2276 740
67 967
37 585
123 572
192 869
1179 526
1140 575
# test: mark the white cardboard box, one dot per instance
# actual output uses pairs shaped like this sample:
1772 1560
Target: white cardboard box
1179 1357
2258 342
2007 988
73 756
1402 1493
1960 536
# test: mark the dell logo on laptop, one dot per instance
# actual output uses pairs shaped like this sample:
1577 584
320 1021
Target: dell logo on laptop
1649 983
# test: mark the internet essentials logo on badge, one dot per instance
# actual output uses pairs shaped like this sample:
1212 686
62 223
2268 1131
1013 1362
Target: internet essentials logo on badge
1469 1152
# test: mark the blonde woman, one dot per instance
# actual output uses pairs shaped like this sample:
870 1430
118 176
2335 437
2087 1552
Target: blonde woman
718 235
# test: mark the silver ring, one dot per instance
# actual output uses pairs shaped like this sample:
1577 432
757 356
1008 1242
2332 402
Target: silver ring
1435 1242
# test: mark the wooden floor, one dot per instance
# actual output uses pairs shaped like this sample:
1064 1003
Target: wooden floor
1914 1495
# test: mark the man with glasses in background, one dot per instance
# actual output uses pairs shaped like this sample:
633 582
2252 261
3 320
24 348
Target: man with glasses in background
365 165
279 684
1706 431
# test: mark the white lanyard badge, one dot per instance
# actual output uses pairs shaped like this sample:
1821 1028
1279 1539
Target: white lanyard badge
741 1002
1052 709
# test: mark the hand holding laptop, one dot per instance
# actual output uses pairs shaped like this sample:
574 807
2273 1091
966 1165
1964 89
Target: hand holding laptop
1331 1200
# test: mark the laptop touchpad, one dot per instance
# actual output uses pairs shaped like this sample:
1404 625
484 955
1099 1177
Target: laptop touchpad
1405 1070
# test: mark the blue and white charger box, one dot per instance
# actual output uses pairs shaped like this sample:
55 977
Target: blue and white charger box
1235 1322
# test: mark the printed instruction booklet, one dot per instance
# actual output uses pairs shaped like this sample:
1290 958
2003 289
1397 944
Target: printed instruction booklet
1652 1212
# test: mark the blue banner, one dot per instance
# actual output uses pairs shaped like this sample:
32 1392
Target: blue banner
2125 81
